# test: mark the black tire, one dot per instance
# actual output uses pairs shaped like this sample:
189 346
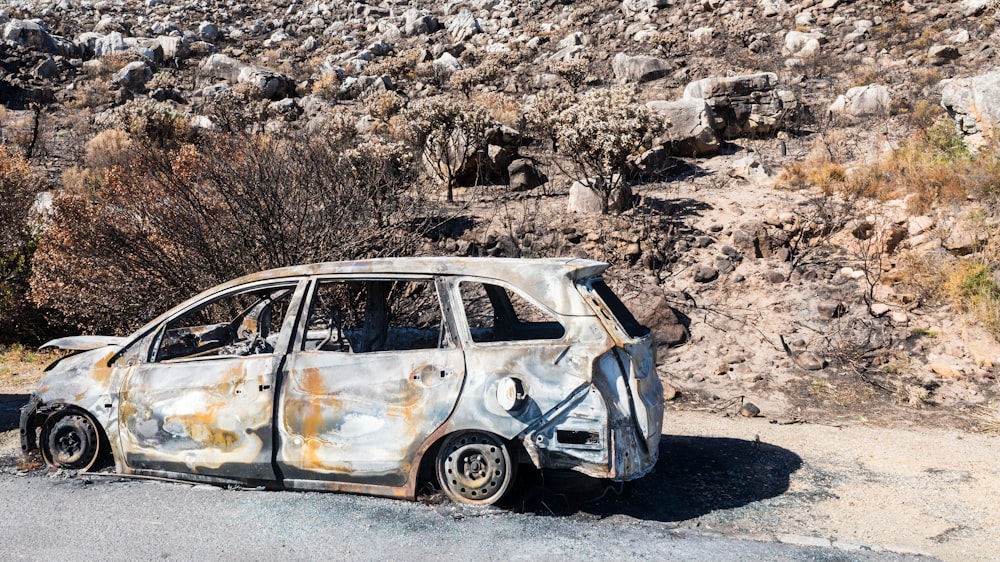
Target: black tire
70 440
475 467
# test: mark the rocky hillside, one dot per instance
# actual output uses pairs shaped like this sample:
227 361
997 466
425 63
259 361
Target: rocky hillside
768 217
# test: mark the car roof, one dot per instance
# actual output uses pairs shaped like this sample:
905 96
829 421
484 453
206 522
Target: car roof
532 275
522 271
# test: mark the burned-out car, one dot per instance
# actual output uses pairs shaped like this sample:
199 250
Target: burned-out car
366 376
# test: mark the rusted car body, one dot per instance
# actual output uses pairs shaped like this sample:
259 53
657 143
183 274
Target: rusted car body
367 377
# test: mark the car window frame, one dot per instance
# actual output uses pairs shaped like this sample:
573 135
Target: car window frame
302 325
466 330
295 284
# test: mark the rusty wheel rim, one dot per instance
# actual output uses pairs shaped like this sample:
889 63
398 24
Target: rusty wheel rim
474 467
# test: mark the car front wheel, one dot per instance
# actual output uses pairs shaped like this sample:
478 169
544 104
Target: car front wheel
475 467
70 440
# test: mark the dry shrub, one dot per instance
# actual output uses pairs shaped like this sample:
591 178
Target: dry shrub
501 107
574 71
987 418
109 148
384 105
398 67
599 133
933 167
971 288
449 133
176 219
81 181
18 188
327 86
822 167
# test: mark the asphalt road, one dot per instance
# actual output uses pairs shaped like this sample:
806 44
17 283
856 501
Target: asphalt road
102 518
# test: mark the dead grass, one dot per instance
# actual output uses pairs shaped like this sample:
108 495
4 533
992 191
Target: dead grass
22 366
987 417
971 288
931 168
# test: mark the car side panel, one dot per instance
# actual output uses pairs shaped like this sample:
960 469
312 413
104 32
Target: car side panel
362 417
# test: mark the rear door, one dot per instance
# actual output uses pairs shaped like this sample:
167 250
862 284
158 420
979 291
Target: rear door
374 372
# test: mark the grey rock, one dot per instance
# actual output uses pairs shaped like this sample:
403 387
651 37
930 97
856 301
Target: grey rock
109 44
634 7
587 197
419 23
447 63
464 26
831 309
45 69
688 126
862 101
974 7
751 104
31 34
639 68
524 175
208 31
802 44
749 410
133 76
749 168
309 45
974 104
810 361
705 274
286 108
942 54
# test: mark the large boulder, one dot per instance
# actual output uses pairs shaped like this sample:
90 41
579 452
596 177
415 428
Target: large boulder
464 26
639 68
419 23
688 128
30 34
133 76
862 101
747 105
803 45
974 104
270 84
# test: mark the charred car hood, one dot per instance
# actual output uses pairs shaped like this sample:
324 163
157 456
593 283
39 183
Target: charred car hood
84 343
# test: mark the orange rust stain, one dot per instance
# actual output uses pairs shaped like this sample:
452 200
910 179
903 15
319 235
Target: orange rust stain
311 381
101 373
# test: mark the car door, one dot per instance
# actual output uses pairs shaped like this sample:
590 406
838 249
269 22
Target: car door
203 401
373 373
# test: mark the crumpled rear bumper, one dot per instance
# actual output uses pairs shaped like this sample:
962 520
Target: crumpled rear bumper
584 435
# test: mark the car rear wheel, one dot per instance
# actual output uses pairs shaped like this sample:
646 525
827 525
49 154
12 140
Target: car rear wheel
475 467
70 440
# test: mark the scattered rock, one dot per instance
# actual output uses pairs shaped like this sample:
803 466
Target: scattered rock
639 68
862 101
705 274
831 309
524 175
945 371
749 410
